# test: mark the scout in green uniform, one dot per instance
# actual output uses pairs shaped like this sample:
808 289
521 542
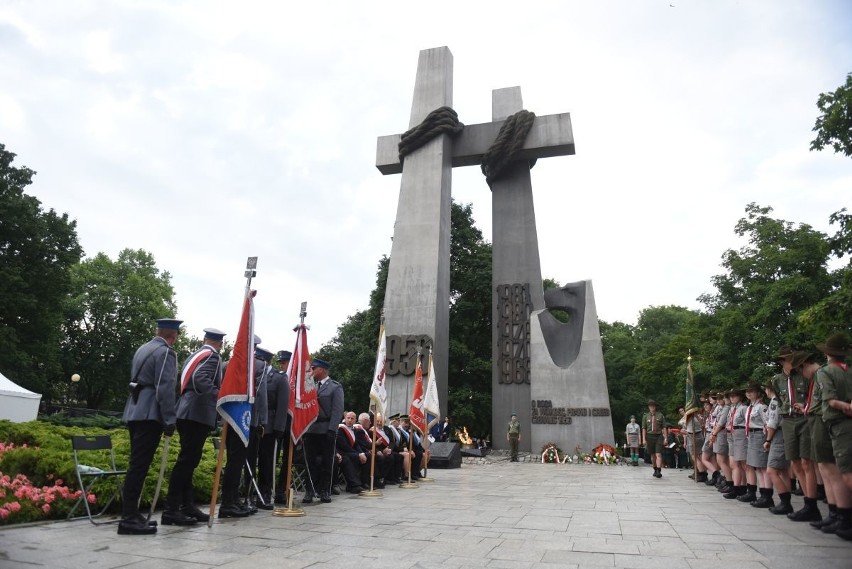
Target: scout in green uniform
654 433
835 384
805 364
513 435
777 465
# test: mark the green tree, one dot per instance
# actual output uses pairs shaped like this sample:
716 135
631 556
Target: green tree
769 283
834 125
37 249
108 315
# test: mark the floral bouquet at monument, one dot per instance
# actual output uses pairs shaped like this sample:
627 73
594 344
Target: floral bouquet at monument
605 454
550 453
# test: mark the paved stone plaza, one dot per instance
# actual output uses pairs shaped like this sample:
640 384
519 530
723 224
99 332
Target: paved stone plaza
499 515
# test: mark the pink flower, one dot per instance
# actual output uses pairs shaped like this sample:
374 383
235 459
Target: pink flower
46 508
58 482
90 498
13 506
4 513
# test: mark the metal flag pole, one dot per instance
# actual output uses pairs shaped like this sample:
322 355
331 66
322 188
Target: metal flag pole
250 272
160 477
372 492
291 511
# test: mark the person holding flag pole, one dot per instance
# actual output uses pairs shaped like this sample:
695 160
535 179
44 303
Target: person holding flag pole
379 399
236 395
303 407
416 418
689 412
432 408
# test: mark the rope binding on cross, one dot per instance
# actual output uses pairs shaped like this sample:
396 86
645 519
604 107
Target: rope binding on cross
507 145
443 120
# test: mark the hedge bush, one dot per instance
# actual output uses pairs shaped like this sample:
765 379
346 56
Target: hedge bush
48 457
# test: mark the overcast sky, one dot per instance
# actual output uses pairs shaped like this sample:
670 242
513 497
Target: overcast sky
206 132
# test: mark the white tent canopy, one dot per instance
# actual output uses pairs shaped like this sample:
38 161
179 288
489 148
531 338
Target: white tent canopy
16 403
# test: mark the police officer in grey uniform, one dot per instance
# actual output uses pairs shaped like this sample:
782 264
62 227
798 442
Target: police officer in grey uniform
196 417
259 413
277 400
149 412
320 439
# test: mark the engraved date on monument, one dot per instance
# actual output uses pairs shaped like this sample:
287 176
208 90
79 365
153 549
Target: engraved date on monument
402 354
542 411
513 332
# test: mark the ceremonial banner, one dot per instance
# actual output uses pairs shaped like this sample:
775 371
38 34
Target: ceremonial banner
691 405
431 404
304 407
415 412
236 394
378 392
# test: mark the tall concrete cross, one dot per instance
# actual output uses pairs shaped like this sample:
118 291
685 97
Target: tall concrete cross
417 292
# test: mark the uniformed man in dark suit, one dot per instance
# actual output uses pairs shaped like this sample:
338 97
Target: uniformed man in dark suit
277 400
259 413
196 417
149 412
320 439
283 437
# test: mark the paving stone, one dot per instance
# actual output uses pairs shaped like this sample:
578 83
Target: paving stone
496 516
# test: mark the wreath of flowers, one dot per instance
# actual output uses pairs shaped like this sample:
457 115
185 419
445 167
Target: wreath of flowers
550 453
604 454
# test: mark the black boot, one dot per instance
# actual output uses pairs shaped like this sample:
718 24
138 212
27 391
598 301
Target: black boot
765 500
735 492
712 481
726 487
809 513
843 522
784 507
309 496
750 495
827 520
702 477
721 482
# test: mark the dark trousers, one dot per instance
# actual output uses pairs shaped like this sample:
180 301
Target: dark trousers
265 465
144 440
234 466
319 455
192 437
283 456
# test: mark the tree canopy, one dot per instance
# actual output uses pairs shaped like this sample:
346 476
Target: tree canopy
37 249
834 124
109 313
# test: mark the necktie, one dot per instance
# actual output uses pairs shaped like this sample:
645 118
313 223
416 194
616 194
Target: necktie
748 417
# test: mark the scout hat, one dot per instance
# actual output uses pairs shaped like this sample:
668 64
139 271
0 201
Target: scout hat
754 386
168 324
736 391
213 334
784 352
800 357
651 402
837 344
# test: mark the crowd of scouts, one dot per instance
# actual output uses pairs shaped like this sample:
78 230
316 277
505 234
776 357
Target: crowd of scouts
337 446
760 440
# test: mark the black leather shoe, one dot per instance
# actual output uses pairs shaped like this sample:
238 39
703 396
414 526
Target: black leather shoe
782 509
309 497
763 502
354 489
267 506
836 525
335 491
735 492
193 512
232 511
826 521
806 514
748 497
144 519
325 498
133 526
177 518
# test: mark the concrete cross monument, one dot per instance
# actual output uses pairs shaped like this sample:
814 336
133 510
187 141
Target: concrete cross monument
417 292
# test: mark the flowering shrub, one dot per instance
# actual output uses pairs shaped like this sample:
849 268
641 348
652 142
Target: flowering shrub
550 453
20 501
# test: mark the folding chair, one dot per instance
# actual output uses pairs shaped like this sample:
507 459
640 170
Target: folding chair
93 474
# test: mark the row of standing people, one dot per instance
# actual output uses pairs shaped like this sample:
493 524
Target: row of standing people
752 448
155 407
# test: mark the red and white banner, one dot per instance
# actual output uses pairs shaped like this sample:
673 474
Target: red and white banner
304 407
